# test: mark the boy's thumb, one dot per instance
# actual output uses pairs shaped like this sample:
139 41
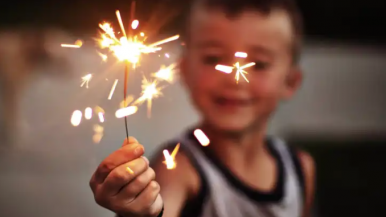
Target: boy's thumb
129 141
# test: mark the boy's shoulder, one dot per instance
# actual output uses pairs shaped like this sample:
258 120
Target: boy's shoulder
303 158
184 174
305 166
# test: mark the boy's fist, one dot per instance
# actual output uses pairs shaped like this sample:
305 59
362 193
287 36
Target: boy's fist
124 183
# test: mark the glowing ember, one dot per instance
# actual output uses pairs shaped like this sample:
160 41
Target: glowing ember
85 80
128 169
101 117
78 44
201 137
88 113
149 92
98 133
241 55
170 158
241 71
123 112
134 24
113 89
76 118
225 69
103 56
166 73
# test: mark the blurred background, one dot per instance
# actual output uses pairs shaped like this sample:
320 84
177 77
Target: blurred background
339 115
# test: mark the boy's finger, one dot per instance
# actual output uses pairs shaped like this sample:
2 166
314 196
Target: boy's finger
123 155
123 175
131 140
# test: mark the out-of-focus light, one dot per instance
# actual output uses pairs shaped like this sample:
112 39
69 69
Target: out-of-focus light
201 137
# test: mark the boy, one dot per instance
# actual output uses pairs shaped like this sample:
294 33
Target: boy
242 172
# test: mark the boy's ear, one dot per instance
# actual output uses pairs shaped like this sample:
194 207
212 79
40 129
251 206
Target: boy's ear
292 83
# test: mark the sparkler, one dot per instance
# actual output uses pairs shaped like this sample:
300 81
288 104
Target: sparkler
129 49
239 68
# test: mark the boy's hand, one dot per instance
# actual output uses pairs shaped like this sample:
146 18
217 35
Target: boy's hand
124 183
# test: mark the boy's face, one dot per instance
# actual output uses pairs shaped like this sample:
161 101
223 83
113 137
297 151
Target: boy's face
214 39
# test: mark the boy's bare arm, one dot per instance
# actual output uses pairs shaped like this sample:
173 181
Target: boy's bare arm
308 166
177 185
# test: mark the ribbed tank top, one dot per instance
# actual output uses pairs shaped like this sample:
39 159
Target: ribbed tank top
223 195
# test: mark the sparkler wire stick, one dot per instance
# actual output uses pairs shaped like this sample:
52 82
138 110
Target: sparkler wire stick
125 94
127 64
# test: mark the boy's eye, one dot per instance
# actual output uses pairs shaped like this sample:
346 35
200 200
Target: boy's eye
211 59
261 65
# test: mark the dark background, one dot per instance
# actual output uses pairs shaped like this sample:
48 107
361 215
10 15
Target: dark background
345 20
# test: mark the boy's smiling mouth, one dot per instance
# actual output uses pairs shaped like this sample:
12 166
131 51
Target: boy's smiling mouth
232 103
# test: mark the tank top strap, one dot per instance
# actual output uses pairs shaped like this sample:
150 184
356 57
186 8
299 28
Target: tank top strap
292 188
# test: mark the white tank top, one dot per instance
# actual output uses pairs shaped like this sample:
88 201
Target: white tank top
223 195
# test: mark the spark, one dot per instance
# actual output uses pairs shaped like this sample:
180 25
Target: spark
142 34
88 113
76 118
239 70
70 45
100 113
167 40
78 44
98 109
201 137
128 169
167 55
149 92
166 73
101 117
97 137
98 133
85 80
225 69
170 158
103 56
121 23
134 24
241 54
123 112
113 89
98 128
